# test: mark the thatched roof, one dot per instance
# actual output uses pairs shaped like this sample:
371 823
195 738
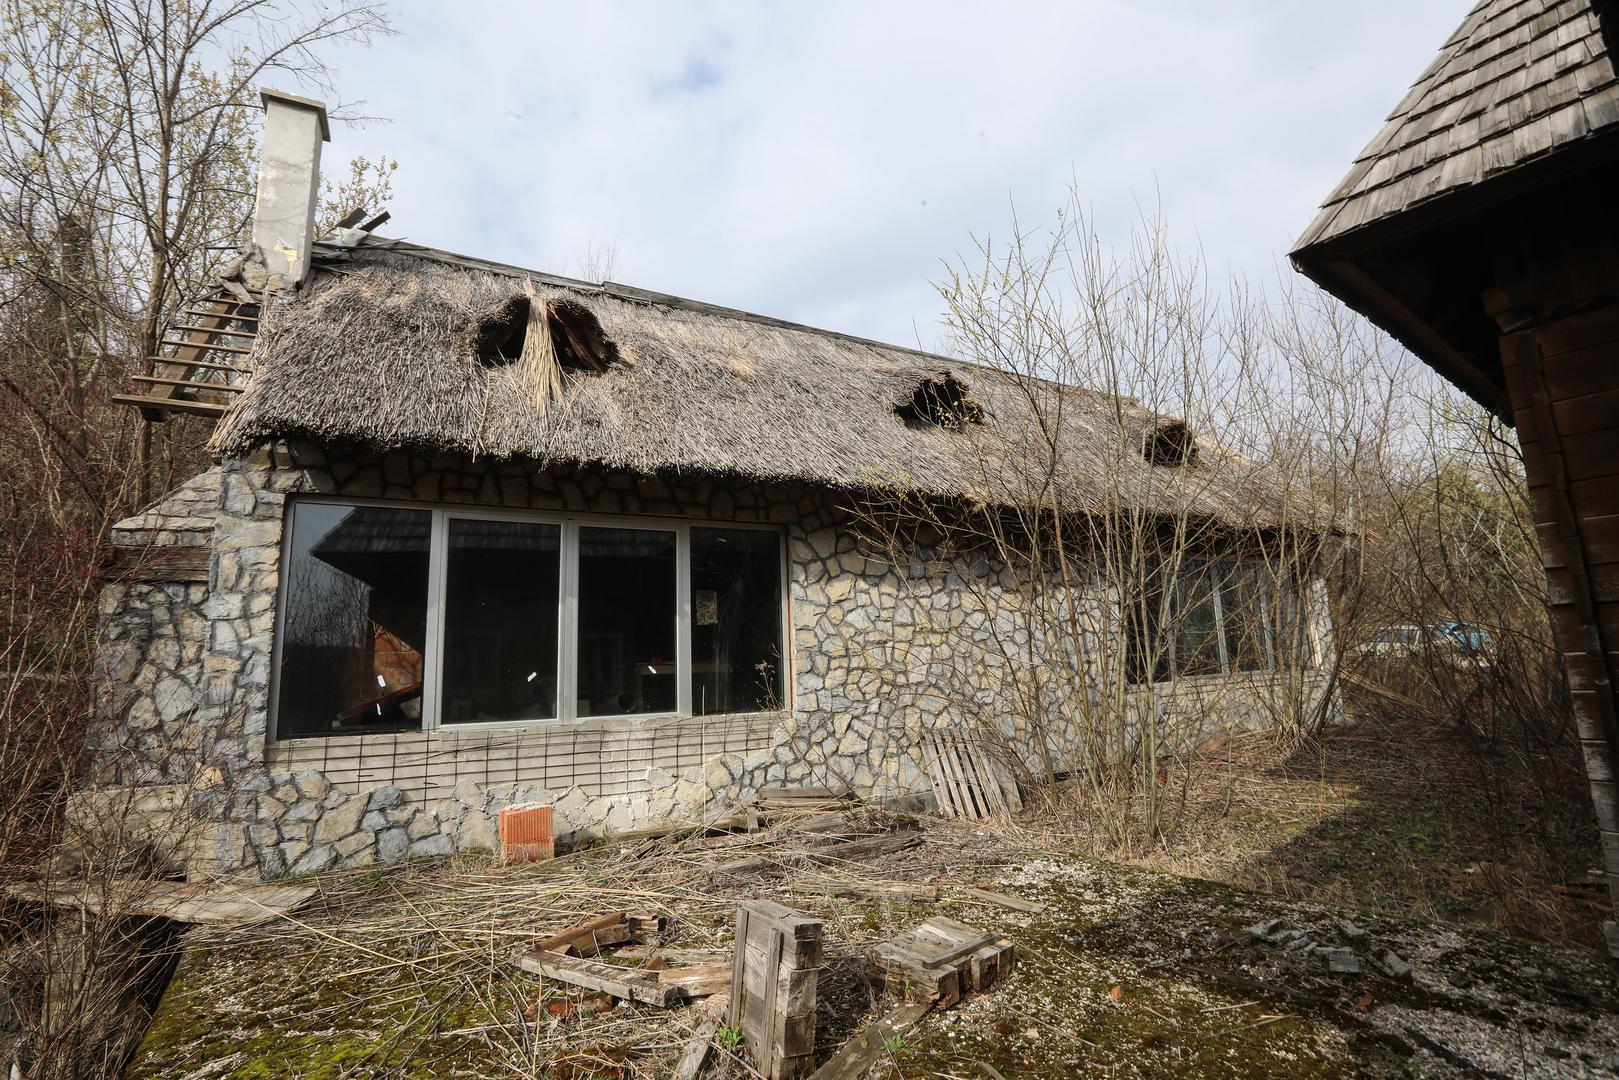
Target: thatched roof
383 351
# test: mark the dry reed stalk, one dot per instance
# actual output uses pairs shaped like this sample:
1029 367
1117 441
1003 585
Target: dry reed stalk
538 370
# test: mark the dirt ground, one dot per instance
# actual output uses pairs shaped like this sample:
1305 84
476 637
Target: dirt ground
1384 814
405 971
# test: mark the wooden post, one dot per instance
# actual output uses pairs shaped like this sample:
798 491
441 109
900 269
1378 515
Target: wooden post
778 955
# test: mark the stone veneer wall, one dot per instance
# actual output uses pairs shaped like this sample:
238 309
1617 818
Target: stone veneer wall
879 655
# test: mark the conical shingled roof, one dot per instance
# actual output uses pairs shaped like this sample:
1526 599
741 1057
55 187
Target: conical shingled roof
1518 80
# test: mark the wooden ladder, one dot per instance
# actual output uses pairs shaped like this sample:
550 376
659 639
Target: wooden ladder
207 345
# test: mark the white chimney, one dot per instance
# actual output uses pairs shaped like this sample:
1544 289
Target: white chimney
289 183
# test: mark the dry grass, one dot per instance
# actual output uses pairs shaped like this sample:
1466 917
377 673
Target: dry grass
404 971
1386 814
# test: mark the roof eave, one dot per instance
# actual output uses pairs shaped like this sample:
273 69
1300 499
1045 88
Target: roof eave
1349 283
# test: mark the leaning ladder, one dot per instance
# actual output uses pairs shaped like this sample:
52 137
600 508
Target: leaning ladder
201 361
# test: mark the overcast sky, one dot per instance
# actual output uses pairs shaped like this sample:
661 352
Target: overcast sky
819 162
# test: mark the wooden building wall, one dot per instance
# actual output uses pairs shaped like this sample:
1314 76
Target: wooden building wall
1562 375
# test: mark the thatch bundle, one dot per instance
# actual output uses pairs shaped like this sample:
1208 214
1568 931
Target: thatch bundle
387 354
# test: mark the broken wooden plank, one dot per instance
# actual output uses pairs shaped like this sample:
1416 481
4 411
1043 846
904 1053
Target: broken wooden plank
856 1057
587 938
697 1047
701 981
865 890
1015 903
846 850
683 957
621 982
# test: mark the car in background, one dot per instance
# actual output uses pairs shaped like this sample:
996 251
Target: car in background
1452 640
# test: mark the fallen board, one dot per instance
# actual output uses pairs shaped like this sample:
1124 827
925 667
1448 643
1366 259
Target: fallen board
182 901
697 1047
1014 903
587 938
856 1057
621 982
702 981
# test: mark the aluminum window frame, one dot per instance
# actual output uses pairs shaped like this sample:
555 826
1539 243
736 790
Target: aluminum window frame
569 522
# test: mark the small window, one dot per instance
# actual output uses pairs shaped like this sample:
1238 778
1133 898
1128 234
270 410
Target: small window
736 621
501 588
940 401
626 622
1170 443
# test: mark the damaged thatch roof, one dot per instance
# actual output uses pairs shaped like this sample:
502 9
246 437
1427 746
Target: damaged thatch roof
392 350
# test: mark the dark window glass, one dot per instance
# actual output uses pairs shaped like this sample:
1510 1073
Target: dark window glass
1245 608
1197 634
626 622
735 620
355 623
1146 653
500 621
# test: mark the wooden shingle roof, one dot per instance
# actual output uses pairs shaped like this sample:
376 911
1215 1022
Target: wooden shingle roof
1517 80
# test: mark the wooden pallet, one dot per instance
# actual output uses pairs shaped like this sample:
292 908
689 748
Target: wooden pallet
940 961
967 781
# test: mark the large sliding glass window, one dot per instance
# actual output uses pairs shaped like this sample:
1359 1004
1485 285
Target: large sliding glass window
501 587
395 618
354 627
626 622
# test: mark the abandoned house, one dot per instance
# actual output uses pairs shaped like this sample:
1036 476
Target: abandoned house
479 535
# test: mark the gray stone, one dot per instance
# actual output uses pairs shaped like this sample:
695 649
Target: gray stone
339 821
1392 964
1340 961
316 859
431 845
312 785
385 798
392 844
373 822
173 698
476 832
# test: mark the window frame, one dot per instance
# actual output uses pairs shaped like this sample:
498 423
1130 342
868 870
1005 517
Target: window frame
1216 575
569 523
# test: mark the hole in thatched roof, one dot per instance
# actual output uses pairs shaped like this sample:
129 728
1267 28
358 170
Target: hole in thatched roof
576 335
940 401
501 332
1170 442
580 343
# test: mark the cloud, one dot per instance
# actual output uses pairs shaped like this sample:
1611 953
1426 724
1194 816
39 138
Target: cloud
820 162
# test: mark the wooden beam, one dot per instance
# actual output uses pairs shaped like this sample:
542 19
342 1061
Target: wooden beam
158 564
158 404
856 1057
195 347
621 982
